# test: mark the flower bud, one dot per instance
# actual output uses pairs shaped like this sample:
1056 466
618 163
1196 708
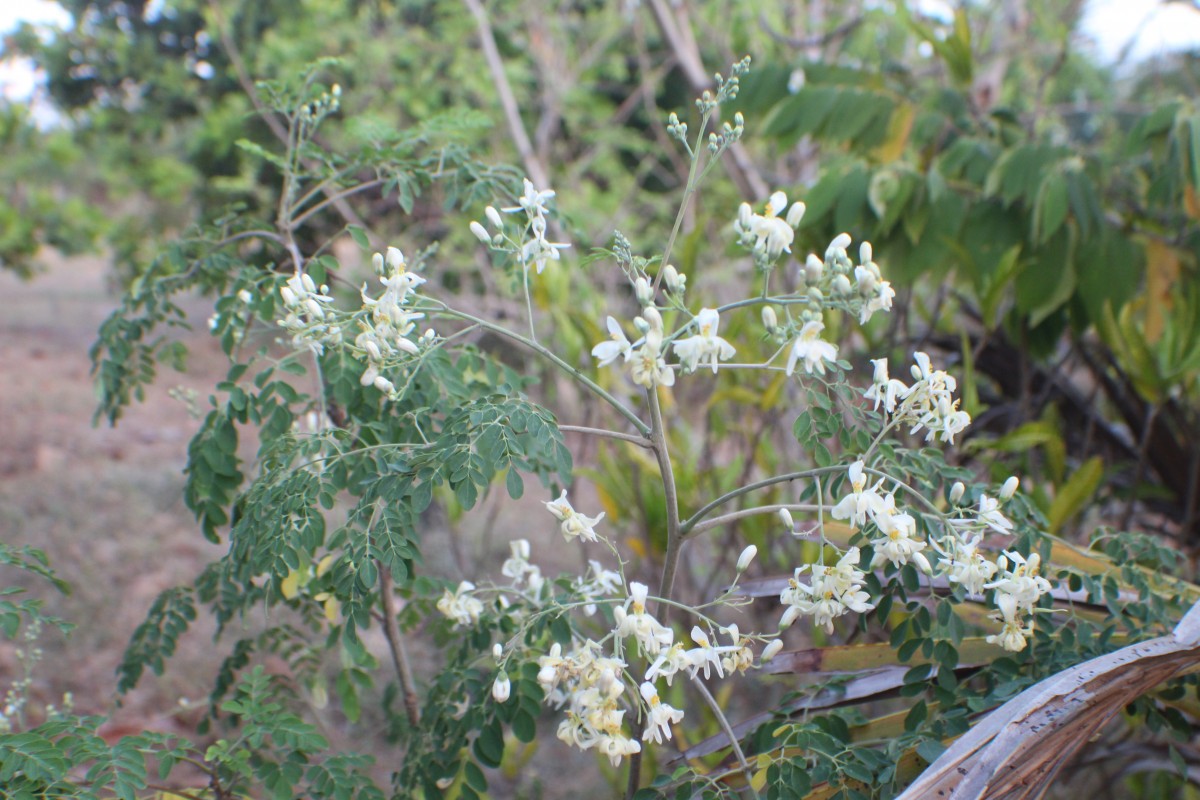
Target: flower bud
643 291
480 232
502 688
1009 488
789 616
865 253
840 242
813 268
785 517
771 650
493 217
651 315
497 651
744 215
746 557
394 258
956 491
377 263
672 278
816 296
383 384
841 285
769 320
795 214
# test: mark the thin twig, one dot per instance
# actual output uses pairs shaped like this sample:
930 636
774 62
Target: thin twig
640 441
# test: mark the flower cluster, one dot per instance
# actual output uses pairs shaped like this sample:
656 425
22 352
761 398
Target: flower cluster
574 524
928 403
768 234
306 314
830 592
705 346
537 249
386 330
461 605
1018 589
590 685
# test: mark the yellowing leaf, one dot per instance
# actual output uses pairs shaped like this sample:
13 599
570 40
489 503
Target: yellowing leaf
325 564
899 129
291 585
1162 276
1075 493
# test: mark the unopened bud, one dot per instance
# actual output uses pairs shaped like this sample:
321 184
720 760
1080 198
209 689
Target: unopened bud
785 517
840 242
643 291
497 651
744 215
771 650
1009 488
746 557
394 258
502 688
956 491
493 216
841 285
813 268
795 214
769 320
865 253
651 315
480 232
671 278
377 263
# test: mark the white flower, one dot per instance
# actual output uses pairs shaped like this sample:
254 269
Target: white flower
831 593
539 251
1013 635
885 389
861 501
518 567
659 716
615 347
647 364
705 346
461 606
812 349
967 567
574 524
705 655
633 620
670 661
1022 582
532 202
897 544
